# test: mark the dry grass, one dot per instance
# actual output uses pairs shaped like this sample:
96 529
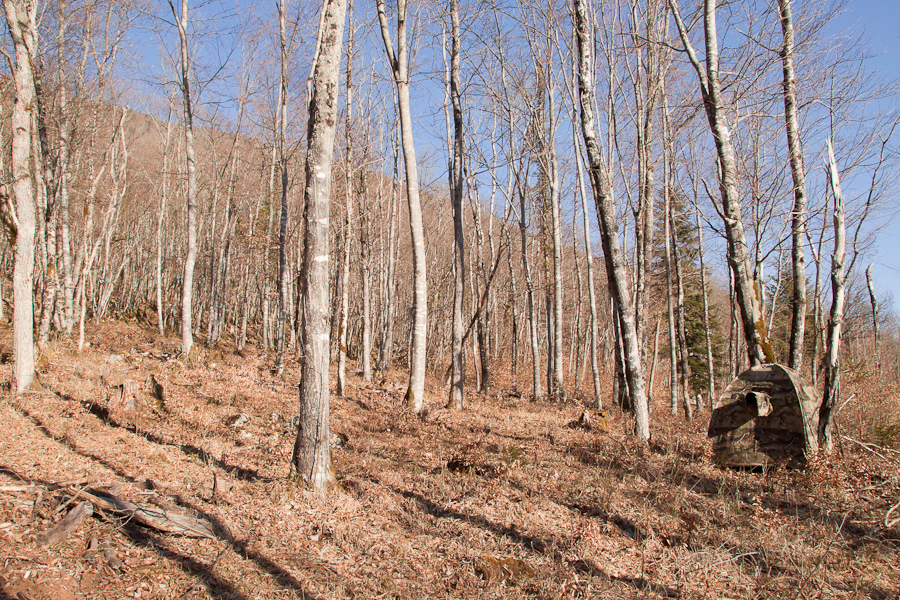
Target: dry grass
422 502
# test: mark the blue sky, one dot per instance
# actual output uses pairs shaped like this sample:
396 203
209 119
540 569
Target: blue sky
880 20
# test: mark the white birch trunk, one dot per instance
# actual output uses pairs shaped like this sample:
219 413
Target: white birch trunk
798 214
615 264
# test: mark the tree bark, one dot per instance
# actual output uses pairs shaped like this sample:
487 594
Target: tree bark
348 218
836 318
312 452
415 393
457 182
606 214
187 290
20 17
798 214
746 293
874 301
285 191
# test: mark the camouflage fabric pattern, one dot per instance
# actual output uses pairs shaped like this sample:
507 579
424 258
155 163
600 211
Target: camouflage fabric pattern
768 414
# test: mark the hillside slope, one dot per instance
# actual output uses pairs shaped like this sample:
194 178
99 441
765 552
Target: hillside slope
503 500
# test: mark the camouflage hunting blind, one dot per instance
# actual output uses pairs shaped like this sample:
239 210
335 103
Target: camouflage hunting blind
768 414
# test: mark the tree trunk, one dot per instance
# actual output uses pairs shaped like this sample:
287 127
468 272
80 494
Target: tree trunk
20 17
682 335
710 370
457 354
798 214
746 294
187 290
874 300
366 276
385 352
348 218
164 197
836 318
532 309
589 256
415 393
670 308
606 215
312 451
285 191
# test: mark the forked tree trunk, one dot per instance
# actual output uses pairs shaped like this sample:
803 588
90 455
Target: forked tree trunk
835 320
415 393
20 16
606 214
558 393
312 451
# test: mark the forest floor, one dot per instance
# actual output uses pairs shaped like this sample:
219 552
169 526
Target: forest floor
500 500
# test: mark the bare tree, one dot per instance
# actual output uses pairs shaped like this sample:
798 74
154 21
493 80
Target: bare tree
21 19
615 264
457 354
348 216
836 317
746 294
187 289
285 192
798 214
873 299
415 393
312 451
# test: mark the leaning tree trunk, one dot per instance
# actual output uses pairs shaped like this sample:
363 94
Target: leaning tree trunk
835 320
415 393
606 214
20 16
312 450
758 348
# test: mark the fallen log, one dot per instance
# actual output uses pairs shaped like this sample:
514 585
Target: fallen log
167 521
66 525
